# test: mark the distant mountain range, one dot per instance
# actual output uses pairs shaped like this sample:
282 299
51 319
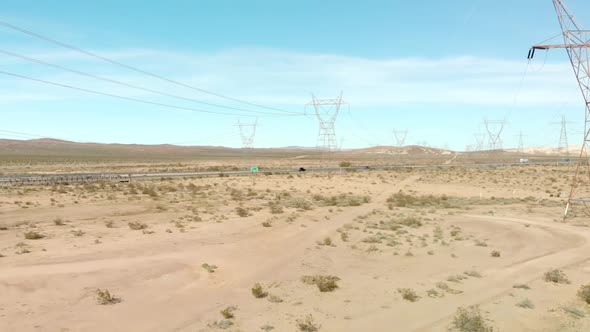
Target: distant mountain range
47 147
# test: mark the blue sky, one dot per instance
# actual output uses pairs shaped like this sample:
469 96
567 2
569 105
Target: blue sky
437 68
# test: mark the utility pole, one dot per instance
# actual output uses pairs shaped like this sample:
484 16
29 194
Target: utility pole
576 42
247 133
400 137
326 111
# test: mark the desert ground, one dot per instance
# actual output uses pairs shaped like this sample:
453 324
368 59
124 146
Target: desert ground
467 249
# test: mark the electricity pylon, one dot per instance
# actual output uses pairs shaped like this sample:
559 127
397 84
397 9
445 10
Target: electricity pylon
326 111
247 133
400 137
479 141
520 143
563 146
494 129
577 44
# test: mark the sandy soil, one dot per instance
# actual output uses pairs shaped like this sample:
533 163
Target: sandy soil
292 226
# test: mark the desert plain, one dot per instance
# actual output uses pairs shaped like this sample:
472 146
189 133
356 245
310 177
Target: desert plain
435 249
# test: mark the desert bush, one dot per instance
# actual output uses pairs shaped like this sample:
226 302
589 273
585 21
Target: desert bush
400 199
584 293
242 212
327 242
556 276
224 323
267 223
345 164
325 283
308 324
274 299
341 200
228 312
104 297
413 222
470 320
495 253
574 311
473 273
209 267
521 286
109 224
275 207
136 225
408 294
258 291
33 235
58 222
456 278
344 236
526 303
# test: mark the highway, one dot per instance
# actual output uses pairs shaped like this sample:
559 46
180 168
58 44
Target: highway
51 178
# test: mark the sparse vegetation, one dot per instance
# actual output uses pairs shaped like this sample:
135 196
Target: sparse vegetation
495 253
584 293
576 312
210 268
242 212
228 312
258 291
556 276
470 320
104 297
58 222
408 294
325 283
33 235
307 324
526 303
136 225
521 286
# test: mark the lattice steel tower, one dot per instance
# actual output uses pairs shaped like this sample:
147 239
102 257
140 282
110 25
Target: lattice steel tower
326 111
494 129
576 42
400 137
563 147
247 133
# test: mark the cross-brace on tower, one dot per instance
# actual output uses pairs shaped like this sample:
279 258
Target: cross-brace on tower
400 137
494 129
247 133
326 111
576 42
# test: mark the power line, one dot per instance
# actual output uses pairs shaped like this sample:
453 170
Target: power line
128 98
120 64
78 72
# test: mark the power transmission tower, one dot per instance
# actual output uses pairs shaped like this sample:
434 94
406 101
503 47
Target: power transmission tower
326 111
479 141
400 137
577 45
247 133
494 129
563 147
521 143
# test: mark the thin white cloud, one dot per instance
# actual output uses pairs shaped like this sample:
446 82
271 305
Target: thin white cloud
287 78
